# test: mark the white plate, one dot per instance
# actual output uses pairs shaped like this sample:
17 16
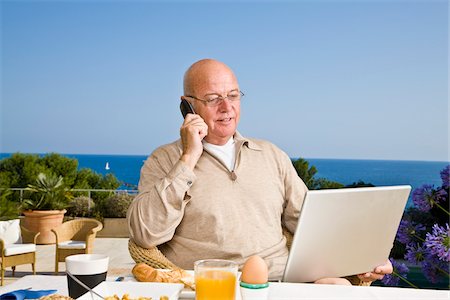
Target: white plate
136 290
186 293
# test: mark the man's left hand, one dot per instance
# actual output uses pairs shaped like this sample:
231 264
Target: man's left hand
378 273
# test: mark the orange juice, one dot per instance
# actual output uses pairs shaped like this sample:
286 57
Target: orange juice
215 285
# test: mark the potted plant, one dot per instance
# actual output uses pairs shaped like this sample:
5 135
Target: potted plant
45 208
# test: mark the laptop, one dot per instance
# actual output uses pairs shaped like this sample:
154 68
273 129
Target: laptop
342 232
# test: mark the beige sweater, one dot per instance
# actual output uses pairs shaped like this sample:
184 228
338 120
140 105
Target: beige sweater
214 213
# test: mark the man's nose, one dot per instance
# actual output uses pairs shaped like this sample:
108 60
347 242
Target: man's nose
225 104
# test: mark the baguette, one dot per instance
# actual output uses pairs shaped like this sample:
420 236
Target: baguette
145 273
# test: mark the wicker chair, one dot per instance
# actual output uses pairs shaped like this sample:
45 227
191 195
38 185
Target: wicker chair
156 259
151 256
18 253
75 237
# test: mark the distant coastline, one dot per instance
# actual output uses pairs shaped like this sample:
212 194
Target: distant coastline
6 154
346 171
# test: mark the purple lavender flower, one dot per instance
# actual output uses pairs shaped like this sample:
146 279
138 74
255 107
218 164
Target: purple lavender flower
400 269
390 280
408 231
415 253
432 252
438 242
445 176
434 269
426 196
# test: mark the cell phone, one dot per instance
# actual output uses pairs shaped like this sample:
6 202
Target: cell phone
186 108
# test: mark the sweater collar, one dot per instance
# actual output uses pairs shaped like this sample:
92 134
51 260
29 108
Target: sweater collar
238 138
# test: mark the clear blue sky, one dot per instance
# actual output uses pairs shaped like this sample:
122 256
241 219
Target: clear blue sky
323 79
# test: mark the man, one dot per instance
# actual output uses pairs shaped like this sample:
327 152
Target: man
214 193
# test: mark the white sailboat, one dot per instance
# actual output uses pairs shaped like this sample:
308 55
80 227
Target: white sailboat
107 166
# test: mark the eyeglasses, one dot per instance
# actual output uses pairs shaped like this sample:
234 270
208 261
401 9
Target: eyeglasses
216 100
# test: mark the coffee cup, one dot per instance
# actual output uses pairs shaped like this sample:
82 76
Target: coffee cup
90 269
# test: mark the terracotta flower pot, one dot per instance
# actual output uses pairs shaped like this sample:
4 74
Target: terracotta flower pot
43 221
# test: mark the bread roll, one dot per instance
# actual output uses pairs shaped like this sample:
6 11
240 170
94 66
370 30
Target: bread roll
146 273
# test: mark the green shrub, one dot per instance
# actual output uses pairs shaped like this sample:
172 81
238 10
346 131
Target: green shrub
115 206
20 170
9 209
307 174
81 206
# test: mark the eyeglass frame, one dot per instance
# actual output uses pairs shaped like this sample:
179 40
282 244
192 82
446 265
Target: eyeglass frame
220 98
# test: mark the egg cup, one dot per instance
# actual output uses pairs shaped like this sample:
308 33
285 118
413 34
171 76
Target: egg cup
251 291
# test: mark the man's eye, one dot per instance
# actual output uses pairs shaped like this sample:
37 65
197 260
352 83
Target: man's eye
233 96
214 100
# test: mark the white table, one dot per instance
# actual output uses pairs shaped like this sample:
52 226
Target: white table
278 291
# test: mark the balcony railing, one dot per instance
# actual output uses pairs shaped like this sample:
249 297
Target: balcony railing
87 191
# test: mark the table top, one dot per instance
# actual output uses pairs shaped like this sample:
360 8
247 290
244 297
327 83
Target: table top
277 290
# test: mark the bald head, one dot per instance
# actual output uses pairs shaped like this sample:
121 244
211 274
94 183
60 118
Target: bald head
210 79
204 72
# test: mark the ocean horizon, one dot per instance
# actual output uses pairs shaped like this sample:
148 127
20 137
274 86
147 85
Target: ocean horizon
346 171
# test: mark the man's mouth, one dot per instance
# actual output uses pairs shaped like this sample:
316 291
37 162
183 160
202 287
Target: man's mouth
225 120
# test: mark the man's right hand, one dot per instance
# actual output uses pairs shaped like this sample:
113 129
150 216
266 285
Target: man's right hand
192 132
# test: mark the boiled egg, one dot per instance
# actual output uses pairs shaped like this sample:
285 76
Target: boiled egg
255 271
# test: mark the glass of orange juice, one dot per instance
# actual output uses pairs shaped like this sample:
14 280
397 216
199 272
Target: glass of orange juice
215 279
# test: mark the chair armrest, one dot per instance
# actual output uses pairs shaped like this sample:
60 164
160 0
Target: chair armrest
2 246
151 256
90 237
91 233
94 230
28 236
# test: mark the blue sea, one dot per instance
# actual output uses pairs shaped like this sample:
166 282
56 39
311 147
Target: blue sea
346 171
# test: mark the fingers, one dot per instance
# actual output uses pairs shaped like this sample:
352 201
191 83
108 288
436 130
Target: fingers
194 124
384 269
378 273
191 118
370 276
364 276
192 132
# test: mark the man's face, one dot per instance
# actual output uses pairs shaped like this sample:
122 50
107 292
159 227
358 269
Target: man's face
222 120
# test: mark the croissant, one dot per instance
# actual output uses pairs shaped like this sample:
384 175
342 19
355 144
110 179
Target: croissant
145 273
55 297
